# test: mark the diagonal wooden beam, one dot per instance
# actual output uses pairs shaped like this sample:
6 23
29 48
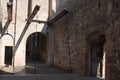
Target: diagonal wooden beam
39 21
9 10
36 9
5 27
60 15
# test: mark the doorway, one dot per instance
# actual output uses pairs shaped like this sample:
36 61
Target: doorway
95 55
8 55
36 48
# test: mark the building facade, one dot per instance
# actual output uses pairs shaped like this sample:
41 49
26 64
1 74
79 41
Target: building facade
84 41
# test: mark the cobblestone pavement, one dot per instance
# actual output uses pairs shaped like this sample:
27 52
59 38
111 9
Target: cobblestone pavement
45 77
41 71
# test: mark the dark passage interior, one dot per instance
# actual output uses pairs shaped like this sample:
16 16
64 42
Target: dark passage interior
36 48
95 55
8 55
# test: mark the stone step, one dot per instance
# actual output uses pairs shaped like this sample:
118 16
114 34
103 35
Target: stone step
45 77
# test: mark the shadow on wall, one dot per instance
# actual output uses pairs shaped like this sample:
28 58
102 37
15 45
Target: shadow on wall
44 30
0 17
5 27
0 26
9 19
23 33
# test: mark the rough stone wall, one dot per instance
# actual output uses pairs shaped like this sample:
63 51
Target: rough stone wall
70 34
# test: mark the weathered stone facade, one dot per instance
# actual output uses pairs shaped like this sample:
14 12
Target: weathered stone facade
87 18
85 41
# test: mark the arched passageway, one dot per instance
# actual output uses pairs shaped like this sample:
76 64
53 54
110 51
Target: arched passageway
36 48
95 55
36 57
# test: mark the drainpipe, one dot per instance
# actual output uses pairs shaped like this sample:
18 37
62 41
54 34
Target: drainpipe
50 60
14 39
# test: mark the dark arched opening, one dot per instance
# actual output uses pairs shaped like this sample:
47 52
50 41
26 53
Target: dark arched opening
95 54
36 48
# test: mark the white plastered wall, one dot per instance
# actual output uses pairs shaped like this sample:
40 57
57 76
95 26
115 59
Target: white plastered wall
22 9
6 40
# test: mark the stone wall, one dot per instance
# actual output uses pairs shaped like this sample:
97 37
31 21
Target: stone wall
71 31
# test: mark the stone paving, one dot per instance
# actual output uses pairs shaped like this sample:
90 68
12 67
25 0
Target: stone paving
42 72
45 77
42 69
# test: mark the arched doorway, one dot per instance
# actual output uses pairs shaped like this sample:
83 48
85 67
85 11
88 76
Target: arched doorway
8 48
36 48
95 54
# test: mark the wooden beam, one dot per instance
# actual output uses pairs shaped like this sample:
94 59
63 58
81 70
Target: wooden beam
36 9
29 20
39 21
60 15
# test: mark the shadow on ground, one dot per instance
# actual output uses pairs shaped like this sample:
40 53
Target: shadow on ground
37 68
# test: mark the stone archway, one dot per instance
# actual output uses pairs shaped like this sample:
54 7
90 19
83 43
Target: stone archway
36 48
95 54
